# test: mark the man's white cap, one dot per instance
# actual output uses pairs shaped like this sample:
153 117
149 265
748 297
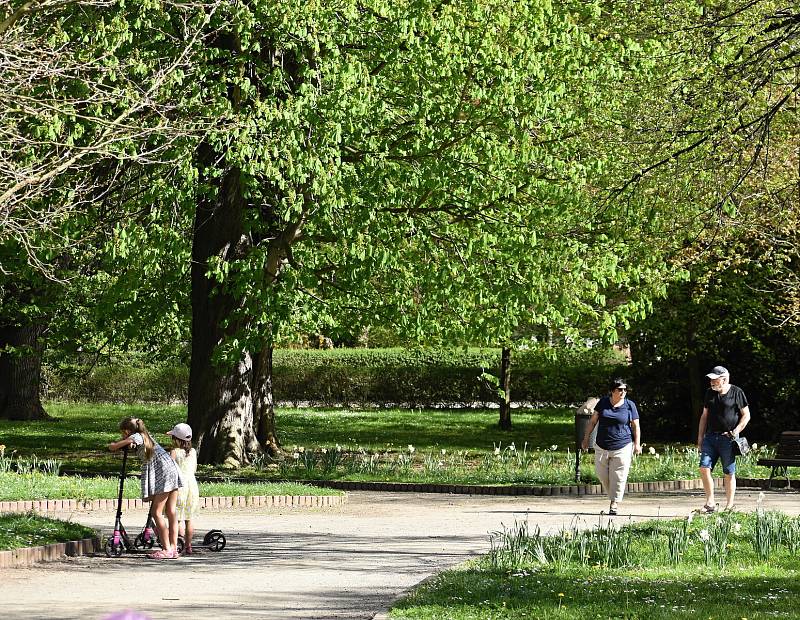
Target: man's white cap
181 431
717 372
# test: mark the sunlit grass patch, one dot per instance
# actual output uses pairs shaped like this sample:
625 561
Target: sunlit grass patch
30 530
573 573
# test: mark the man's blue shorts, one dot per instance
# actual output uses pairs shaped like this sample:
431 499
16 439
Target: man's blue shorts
714 447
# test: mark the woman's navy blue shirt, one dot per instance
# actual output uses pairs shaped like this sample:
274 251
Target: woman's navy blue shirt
613 426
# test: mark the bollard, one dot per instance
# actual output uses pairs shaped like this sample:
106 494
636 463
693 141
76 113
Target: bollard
582 416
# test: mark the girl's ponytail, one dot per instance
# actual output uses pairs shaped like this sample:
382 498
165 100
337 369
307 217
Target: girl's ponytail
136 425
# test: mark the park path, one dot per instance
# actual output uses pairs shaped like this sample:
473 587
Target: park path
339 563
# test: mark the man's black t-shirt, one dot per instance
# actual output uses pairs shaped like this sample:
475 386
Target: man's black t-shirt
723 409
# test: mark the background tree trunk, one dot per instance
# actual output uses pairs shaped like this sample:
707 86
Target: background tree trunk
263 401
505 385
696 392
221 403
21 372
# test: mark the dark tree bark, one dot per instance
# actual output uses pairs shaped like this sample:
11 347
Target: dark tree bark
695 395
505 385
263 401
221 404
21 372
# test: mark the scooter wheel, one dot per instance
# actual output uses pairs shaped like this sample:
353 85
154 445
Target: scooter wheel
209 534
141 543
216 540
112 550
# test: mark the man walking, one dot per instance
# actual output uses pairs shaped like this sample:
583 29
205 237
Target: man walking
725 415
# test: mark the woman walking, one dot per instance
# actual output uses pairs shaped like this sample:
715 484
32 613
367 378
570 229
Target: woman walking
618 439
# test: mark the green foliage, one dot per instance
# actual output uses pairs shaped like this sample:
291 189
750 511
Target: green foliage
365 377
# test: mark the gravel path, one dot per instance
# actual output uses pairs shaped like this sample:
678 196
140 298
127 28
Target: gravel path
339 563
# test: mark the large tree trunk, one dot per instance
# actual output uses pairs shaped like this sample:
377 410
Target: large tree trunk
21 372
505 385
263 401
221 409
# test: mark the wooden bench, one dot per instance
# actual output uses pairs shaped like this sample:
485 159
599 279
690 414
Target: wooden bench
787 455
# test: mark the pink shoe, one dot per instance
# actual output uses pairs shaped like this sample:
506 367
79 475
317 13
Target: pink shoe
163 555
187 550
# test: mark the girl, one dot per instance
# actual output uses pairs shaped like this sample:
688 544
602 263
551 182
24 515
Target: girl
160 482
188 495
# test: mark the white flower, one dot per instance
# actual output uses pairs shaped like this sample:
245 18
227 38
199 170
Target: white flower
718 520
411 449
689 518
554 447
497 451
301 449
296 456
658 456
444 451
760 497
338 448
324 450
512 447
704 535
652 450
737 527
755 446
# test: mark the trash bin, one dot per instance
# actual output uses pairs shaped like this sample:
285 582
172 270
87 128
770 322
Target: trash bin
582 416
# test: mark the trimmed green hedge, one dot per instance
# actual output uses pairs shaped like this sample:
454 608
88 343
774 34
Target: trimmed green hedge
365 377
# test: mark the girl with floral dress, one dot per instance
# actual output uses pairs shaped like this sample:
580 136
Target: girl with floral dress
161 480
189 495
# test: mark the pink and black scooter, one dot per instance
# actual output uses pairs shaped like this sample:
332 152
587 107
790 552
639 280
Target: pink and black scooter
120 541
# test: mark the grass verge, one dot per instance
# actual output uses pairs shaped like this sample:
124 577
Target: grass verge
35 486
733 567
30 530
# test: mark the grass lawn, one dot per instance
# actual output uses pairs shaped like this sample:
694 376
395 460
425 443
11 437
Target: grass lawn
34 486
646 585
457 447
29 530
80 432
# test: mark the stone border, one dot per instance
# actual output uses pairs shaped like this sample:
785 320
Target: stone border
478 489
213 502
575 489
27 556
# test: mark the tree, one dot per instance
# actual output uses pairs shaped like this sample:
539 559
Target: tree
87 107
413 164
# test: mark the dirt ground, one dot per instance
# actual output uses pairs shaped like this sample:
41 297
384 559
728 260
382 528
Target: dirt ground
347 562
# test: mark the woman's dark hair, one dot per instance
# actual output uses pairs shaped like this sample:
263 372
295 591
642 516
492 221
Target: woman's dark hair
617 383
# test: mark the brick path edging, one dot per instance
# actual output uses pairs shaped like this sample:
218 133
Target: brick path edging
26 556
214 502
575 489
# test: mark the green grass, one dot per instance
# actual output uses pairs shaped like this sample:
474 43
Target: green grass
35 486
80 432
456 447
510 584
30 530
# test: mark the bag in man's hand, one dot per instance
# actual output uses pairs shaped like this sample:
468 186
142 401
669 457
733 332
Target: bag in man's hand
740 446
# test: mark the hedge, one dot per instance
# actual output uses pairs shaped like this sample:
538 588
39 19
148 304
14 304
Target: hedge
365 377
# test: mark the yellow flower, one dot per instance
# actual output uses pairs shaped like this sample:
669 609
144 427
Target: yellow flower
562 594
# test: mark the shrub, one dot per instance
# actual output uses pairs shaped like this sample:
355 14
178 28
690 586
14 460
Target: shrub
364 377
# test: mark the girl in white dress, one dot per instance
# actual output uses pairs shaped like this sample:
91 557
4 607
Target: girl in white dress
188 495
